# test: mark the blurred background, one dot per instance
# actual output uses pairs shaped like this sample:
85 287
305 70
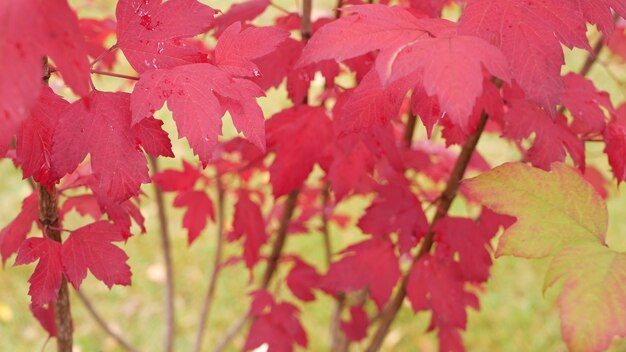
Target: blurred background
515 314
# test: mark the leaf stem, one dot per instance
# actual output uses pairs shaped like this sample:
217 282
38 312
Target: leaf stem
103 55
210 294
167 258
112 74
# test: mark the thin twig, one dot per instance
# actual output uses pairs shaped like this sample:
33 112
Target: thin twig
281 238
328 249
117 75
94 314
270 269
230 334
210 294
409 130
103 55
167 259
280 8
447 196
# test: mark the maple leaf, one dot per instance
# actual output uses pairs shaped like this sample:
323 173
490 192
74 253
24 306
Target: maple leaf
90 247
149 32
245 11
552 136
356 328
592 302
46 279
302 279
530 36
294 162
239 45
371 263
577 213
85 204
615 148
174 180
396 209
427 51
153 138
586 104
45 316
350 169
437 286
599 12
279 326
13 235
28 32
248 221
370 104
469 240
96 33
436 63
34 139
372 27
100 126
198 95
199 209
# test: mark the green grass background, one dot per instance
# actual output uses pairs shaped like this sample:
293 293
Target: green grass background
514 316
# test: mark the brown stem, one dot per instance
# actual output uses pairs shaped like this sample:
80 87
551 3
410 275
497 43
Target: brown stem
167 258
230 334
100 321
409 130
281 238
49 217
448 195
339 342
305 26
210 294
103 55
328 251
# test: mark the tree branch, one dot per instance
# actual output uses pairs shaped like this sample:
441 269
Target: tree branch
281 237
49 218
447 196
100 321
167 259
210 294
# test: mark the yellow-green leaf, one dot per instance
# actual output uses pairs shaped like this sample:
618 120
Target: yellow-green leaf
553 209
593 300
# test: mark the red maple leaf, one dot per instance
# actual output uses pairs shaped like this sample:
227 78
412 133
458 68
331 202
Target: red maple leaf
244 12
30 31
174 180
396 209
198 95
239 45
248 223
100 126
13 235
370 263
34 139
530 36
294 162
90 247
199 209
275 324
150 32
46 279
